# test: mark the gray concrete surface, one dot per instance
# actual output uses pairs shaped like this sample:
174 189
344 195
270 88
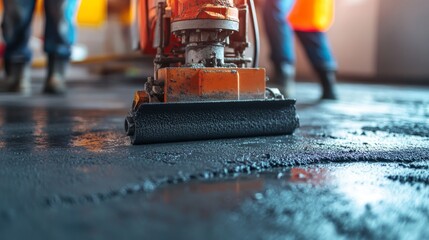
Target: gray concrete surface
357 168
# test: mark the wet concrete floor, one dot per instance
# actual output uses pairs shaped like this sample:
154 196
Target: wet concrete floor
357 168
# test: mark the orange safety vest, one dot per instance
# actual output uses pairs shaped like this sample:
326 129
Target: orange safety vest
312 15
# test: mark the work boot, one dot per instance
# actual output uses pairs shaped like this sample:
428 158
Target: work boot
17 78
284 79
328 81
55 80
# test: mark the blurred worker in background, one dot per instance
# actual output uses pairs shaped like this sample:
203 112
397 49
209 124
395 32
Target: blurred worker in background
312 36
59 36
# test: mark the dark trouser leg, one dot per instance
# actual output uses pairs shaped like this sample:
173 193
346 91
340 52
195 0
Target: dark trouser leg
16 26
280 36
59 36
320 55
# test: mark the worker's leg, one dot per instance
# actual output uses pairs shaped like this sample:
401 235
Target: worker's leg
320 55
59 37
16 26
280 36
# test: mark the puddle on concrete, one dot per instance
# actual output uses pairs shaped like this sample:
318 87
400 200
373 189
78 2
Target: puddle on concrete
358 184
30 129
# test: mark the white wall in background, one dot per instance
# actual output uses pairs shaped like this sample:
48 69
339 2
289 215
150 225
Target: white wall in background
354 36
403 43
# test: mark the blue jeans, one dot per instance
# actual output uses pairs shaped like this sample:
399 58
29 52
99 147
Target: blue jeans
59 28
280 35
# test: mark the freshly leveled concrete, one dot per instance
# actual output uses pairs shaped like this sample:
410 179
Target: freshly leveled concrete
358 167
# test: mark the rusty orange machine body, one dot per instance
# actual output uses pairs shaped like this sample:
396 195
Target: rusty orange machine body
199 30
199 48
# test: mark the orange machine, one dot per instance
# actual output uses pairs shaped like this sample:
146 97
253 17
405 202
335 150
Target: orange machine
203 86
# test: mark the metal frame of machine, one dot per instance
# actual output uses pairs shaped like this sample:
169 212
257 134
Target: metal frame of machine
201 72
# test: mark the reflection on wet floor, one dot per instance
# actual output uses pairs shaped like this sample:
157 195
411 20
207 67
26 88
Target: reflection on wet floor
28 129
95 141
2 142
41 138
363 184
358 184
207 197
